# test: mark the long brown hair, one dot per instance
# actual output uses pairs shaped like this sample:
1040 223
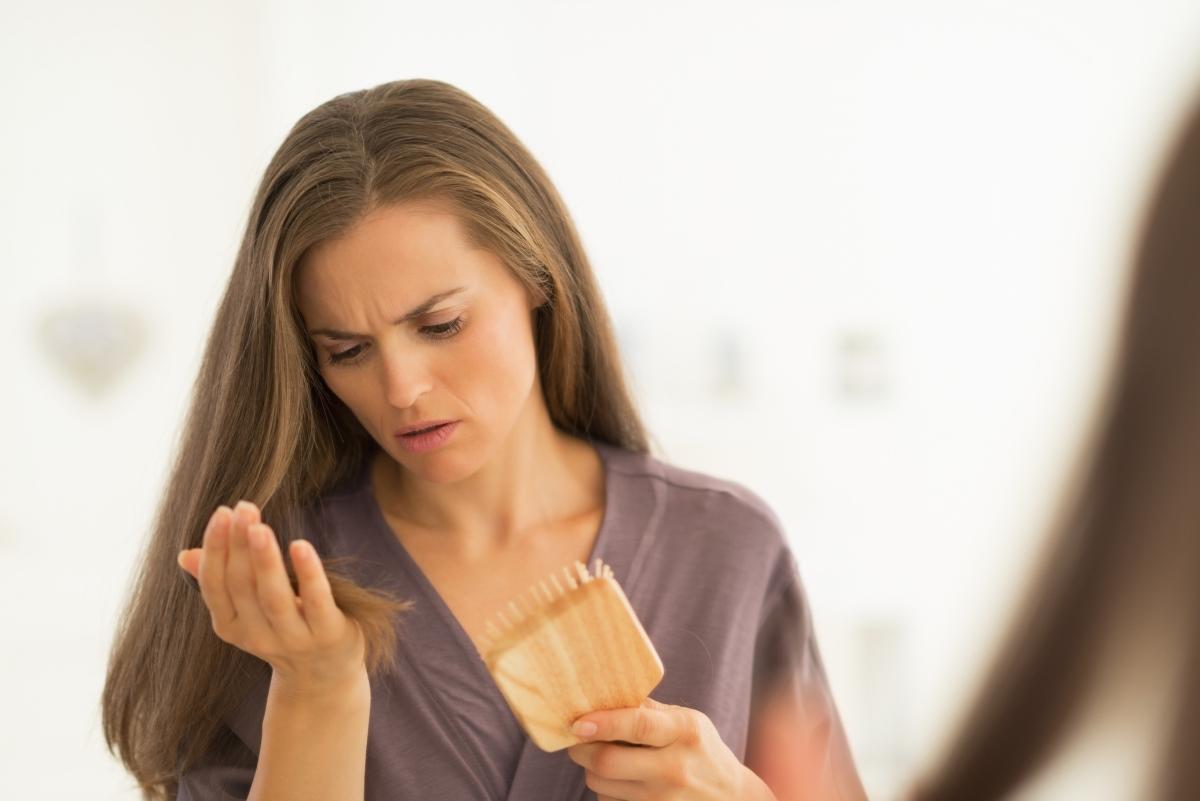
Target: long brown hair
263 426
1128 538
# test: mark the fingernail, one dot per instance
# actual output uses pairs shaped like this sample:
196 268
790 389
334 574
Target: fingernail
584 728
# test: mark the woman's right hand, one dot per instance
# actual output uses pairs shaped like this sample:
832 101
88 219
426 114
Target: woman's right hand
311 645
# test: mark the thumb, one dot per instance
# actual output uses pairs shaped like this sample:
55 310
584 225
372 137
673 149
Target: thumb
189 560
650 703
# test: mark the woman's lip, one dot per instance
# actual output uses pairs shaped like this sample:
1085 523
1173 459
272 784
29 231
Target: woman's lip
409 429
428 441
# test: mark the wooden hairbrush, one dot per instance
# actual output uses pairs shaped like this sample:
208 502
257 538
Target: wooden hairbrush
568 646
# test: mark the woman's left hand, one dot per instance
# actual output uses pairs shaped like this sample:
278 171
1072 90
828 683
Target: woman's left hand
656 752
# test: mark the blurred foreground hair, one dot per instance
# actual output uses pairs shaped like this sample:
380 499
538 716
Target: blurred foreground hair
1123 565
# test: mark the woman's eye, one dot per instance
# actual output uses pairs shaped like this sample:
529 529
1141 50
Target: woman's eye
439 331
444 330
346 356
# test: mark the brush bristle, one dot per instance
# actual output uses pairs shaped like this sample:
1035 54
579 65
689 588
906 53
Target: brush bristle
537 598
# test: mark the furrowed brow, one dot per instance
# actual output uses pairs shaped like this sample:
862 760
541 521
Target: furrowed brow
334 333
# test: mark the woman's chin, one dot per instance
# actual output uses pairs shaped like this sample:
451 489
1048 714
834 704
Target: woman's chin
436 467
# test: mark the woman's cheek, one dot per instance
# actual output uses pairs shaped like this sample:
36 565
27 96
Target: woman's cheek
501 359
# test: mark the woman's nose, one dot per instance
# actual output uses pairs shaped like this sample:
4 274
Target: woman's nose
406 377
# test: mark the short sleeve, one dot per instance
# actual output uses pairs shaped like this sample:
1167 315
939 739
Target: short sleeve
224 778
796 742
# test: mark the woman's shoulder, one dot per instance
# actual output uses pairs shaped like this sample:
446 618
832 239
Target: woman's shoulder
320 516
699 485
698 500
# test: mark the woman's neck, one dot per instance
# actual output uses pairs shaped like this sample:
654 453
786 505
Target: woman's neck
530 482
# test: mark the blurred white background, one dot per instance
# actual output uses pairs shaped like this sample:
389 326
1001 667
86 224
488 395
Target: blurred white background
864 258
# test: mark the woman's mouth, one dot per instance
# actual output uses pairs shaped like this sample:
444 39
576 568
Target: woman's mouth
427 439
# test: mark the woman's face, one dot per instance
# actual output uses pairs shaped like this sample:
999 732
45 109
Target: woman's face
468 356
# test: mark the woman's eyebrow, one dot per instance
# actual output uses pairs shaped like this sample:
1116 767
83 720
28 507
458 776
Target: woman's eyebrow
433 300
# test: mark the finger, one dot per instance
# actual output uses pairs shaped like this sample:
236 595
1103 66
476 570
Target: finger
211 570
619 762
653 725
275 594
321 613
189 560
254 628
613 788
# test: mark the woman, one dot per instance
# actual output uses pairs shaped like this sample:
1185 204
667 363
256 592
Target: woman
408 265
1096 693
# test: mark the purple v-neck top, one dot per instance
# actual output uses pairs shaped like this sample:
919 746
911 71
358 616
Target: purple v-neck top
706 566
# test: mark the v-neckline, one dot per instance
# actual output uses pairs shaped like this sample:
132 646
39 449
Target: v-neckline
381 527
533 765
531 760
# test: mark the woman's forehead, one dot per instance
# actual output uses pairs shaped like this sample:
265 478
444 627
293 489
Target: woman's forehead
416 240
402 251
